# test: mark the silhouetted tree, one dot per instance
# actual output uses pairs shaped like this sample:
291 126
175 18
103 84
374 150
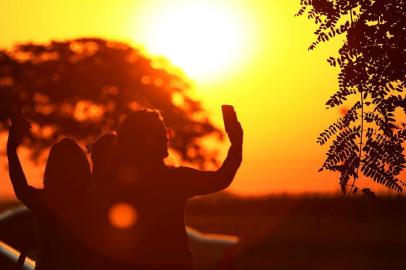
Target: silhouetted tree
369 137
83 87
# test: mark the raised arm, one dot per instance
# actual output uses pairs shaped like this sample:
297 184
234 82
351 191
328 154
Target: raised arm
198 182
231 164
22 190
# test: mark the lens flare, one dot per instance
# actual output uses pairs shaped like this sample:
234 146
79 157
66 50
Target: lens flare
122 215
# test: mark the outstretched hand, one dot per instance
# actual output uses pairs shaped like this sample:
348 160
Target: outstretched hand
19 127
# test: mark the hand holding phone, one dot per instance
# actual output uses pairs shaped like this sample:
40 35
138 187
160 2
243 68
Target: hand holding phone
229 116
231 124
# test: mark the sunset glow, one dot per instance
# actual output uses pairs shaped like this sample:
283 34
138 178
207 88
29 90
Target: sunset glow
249 54
202 134
252 54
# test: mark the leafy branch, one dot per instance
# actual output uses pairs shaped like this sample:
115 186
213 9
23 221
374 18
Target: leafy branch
369 138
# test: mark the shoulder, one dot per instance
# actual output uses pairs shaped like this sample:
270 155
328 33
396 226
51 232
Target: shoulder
180 170
181 173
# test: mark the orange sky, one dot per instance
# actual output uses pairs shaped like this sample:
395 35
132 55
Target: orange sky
263 68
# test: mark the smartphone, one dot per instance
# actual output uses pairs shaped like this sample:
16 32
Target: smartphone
229 116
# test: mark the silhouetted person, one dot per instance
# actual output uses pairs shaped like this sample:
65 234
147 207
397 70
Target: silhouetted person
60 205
101 233
100 153
150 198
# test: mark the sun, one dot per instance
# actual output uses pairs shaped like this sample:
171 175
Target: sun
204 39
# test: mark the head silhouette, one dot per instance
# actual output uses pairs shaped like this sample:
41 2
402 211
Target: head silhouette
101 153
142 138
67 169
101 150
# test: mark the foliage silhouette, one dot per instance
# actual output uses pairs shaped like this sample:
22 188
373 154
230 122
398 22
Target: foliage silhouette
83 87
369 137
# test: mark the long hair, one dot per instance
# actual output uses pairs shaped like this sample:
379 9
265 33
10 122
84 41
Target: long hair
142 137
67 168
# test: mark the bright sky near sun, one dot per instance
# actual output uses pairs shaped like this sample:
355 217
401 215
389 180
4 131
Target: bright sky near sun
204 39
252 54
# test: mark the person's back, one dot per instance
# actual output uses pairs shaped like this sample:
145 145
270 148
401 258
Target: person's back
158 235
152 197
60 243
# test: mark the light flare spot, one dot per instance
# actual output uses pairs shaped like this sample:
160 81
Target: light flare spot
145 79
122 215
343 111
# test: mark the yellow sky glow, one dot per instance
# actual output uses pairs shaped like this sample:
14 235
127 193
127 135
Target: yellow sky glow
252 54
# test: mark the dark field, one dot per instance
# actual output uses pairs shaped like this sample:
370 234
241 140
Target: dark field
307 232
